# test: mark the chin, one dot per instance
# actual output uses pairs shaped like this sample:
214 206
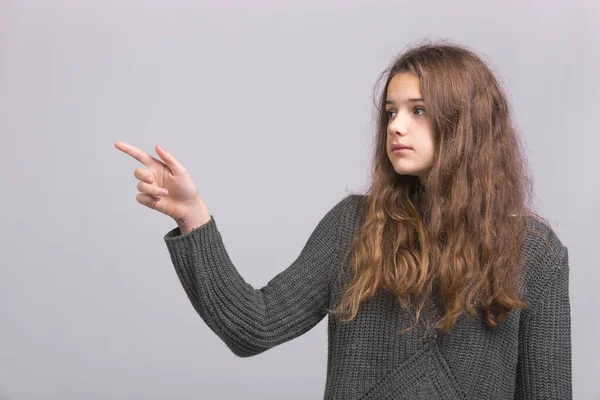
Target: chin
404 171
407 173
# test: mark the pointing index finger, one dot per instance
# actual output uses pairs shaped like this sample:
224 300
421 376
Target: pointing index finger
137 153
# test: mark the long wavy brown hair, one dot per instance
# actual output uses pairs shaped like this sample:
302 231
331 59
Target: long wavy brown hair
456 233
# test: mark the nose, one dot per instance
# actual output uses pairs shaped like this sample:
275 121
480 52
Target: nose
399 125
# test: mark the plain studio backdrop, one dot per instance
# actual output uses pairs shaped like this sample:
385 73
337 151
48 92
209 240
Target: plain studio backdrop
269 105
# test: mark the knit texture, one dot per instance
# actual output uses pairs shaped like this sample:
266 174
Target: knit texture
527 357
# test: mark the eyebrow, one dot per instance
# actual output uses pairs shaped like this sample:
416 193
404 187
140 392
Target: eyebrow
408 100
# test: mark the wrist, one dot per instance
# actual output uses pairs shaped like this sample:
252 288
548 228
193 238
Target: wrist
197 216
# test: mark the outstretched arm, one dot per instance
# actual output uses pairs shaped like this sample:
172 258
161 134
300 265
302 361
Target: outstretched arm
251 320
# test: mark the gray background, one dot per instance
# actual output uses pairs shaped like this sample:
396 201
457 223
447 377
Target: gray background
269 105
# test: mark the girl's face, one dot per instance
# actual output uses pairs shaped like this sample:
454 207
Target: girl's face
408 124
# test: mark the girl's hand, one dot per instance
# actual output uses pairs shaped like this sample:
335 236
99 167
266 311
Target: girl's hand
166 187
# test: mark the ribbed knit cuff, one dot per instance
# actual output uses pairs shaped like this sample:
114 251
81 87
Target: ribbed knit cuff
202 234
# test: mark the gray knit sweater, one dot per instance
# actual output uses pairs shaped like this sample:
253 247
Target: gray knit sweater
527 357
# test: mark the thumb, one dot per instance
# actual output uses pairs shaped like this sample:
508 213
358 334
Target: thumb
175 166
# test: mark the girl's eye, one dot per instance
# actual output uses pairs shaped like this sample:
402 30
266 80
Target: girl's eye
416 109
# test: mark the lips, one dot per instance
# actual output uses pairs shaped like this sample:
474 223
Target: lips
397 146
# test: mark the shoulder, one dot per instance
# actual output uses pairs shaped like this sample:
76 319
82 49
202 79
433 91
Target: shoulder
540 244
349 204
346 212
543 254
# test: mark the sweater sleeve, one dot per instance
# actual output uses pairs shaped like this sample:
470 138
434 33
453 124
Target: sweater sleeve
248 320
544 365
